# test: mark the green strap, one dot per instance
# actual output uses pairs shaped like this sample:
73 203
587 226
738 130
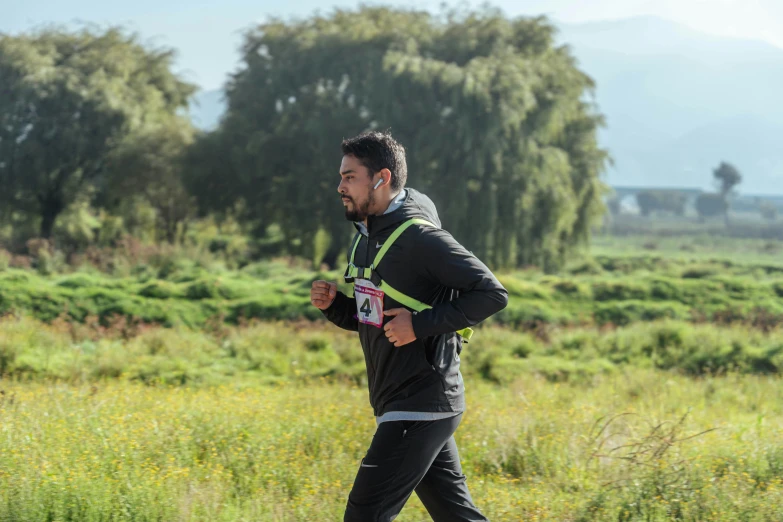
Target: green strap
355 245
359 272
412 303
353 270
365 273
394 235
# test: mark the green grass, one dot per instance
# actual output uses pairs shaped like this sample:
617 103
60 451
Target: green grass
629 446
183 295
634 386
607 289
278 352
698 246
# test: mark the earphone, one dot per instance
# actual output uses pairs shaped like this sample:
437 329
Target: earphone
378 184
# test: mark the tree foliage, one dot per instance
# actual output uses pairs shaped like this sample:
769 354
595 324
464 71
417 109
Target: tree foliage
711 205
150 163
495 119
670 201
69 99
726 178
768 210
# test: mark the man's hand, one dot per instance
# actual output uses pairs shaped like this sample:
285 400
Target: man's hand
322 294
400 329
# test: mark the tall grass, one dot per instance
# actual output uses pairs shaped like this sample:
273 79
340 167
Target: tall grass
607 290
270 352
630 446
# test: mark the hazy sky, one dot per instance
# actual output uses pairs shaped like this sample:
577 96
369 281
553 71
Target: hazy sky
207 33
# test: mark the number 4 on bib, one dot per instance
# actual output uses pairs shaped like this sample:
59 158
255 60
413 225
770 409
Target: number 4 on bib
366 309
369 303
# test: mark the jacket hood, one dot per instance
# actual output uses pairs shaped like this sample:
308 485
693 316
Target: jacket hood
415 205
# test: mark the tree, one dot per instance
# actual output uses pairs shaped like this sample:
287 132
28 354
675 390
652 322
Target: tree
647 202
726 178
150 163
711 205
495 118
671 201
69 99
768 210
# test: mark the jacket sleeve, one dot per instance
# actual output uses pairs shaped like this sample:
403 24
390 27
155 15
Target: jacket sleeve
449 264
342 312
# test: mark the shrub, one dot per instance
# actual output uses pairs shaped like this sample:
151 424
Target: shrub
160 290
625 313
699 272
619 291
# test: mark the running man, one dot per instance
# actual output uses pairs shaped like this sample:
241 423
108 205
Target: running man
417 292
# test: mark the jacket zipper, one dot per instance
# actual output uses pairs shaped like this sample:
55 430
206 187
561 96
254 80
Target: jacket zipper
366 260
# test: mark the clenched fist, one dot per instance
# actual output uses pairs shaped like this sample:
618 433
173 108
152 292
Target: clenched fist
322 294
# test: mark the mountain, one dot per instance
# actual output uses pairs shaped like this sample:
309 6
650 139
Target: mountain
678 102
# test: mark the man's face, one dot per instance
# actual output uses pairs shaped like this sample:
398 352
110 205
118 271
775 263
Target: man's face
356 189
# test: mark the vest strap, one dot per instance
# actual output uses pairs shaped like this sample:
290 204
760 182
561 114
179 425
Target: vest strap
352 272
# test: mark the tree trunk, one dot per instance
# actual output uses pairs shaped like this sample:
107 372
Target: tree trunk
330 259
50 209
341 234
171 233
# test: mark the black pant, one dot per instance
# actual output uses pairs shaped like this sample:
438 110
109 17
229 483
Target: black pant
412 455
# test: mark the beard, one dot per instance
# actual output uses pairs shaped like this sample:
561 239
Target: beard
360 212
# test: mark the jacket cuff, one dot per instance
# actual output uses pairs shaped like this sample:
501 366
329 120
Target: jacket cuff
335 305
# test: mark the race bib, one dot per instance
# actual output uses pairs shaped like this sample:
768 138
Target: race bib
369 302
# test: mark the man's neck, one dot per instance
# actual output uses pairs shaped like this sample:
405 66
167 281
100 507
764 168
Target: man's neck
385 208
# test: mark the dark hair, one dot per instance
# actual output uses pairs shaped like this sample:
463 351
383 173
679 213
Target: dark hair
378 151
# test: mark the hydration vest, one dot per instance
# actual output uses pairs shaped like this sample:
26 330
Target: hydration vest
354 272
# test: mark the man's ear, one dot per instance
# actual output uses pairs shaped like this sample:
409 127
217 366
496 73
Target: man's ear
386 175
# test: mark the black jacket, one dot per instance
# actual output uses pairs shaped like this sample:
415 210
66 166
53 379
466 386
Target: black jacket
429 265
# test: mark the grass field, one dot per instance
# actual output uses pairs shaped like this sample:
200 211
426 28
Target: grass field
631 446
269 421
270 353
700 246
641 385
618 288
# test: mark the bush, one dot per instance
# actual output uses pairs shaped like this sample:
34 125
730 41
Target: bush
572 289
160 290
271 308
699 272
276 290
619 291
202 289
79 281
629 264
524 289
625 313
527 314
590 267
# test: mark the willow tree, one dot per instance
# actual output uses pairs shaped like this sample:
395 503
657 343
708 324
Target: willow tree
495 118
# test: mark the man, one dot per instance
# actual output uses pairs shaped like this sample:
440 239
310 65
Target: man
412 357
